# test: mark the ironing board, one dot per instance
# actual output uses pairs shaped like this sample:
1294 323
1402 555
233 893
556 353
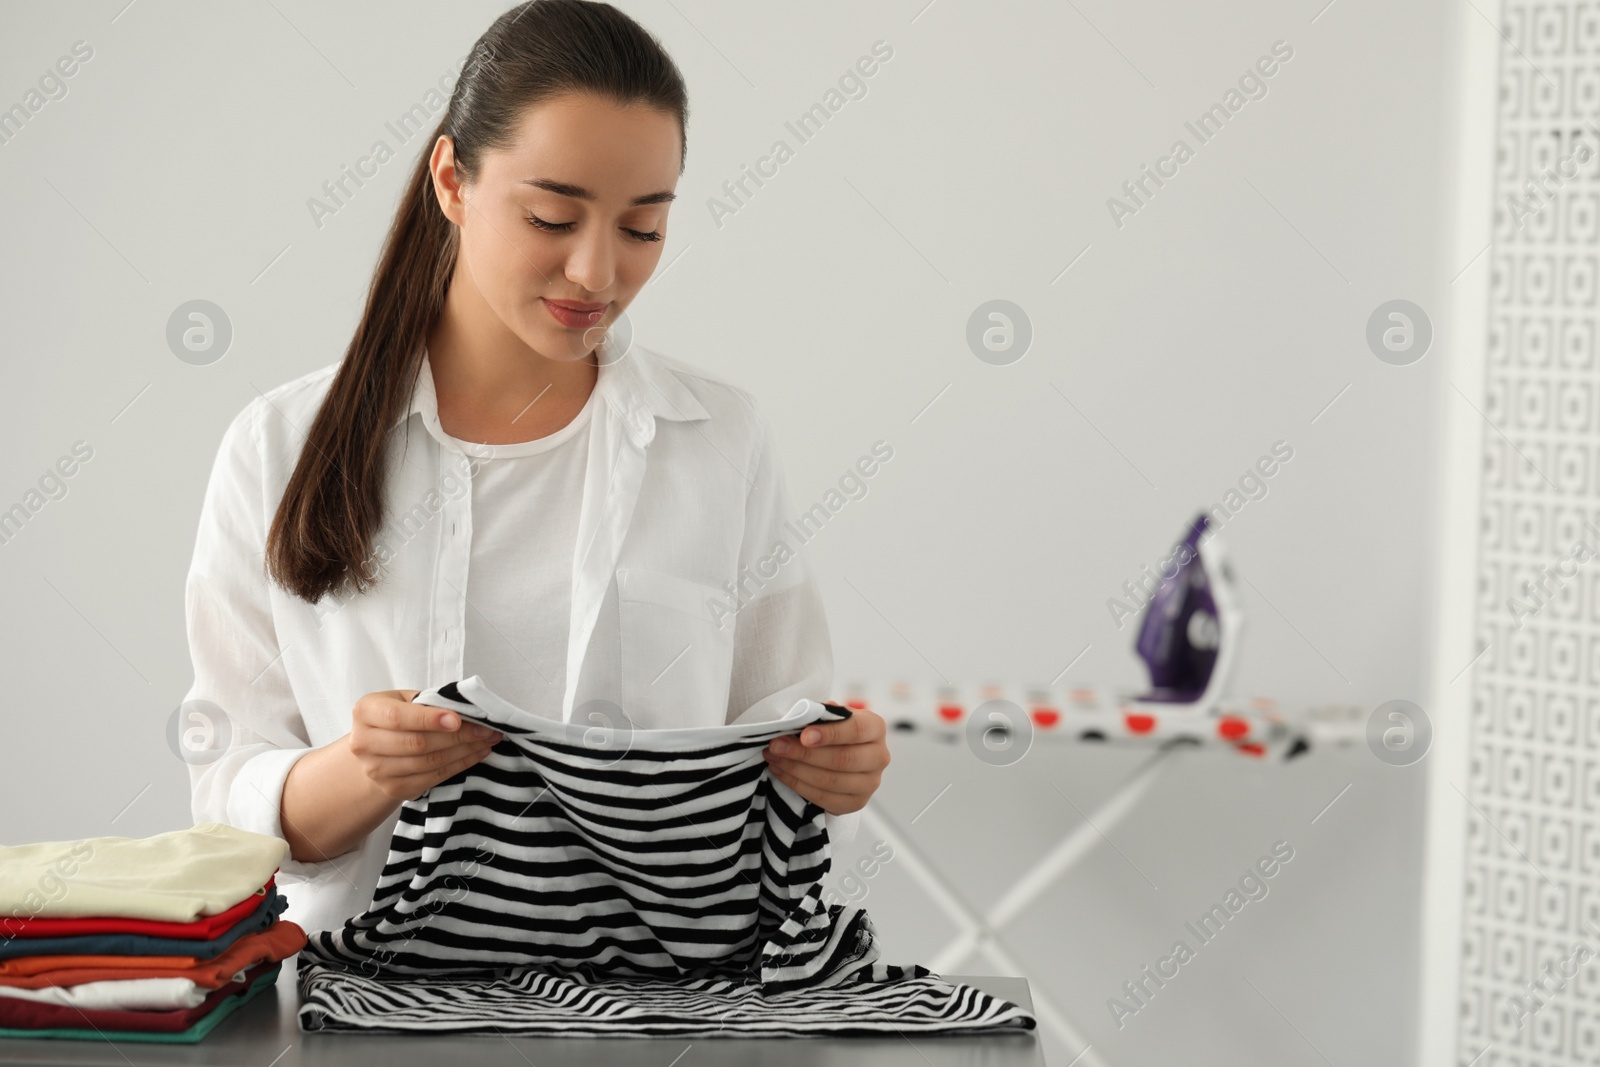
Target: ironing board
1040 715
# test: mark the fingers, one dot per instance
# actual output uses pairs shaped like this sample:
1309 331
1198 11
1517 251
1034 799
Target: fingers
829 800
847 732
435 766
860 728
413 738
810 739
857 744
795 774
378 741
407 748
435 762
393 709
412 786
861 757
837 766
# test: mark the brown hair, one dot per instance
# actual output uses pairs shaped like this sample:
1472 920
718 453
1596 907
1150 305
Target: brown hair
321 538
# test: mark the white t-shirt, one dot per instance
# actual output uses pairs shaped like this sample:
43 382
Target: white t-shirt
526 498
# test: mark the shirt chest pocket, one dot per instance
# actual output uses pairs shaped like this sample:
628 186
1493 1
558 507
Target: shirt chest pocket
675 661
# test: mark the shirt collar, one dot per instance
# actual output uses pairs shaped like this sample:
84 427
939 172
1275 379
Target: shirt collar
636 387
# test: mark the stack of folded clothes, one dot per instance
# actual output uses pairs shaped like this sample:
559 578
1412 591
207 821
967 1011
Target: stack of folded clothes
140 939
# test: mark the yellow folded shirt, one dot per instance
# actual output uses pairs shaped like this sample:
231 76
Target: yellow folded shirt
178 876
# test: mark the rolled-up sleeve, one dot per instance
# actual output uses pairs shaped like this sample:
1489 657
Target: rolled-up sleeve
242 726
782 648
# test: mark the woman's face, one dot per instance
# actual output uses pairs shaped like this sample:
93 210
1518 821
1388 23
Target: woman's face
570 217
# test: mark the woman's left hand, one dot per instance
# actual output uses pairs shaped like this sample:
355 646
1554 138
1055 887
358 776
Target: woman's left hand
835 765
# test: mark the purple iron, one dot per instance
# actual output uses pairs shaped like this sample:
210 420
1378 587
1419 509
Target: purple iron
1189 628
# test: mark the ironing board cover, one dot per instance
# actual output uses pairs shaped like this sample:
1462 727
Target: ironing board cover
588 881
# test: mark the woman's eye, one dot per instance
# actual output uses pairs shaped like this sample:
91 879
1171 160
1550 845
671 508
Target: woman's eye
555 227
563 227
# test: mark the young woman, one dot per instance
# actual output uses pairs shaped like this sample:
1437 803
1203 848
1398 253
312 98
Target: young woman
493 481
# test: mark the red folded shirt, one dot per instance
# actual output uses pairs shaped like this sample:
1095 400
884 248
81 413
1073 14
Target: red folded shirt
205 928
17 1013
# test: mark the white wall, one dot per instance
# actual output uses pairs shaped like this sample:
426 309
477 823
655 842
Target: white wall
1223 316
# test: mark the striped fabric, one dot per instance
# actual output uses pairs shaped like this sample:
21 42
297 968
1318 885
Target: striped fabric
601 881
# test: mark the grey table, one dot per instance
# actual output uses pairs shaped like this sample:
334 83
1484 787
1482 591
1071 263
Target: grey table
264 1033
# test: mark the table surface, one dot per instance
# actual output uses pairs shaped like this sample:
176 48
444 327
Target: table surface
266 1028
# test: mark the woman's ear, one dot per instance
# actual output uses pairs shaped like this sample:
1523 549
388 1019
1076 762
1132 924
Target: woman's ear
447 185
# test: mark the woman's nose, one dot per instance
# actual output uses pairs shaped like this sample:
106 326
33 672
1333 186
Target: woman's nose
592 264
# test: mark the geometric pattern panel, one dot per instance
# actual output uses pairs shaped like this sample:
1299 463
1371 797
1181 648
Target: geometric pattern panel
1530 963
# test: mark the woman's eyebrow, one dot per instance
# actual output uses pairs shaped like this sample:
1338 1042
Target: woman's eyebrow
579 193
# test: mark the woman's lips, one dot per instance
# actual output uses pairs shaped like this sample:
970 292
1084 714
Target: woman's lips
573 316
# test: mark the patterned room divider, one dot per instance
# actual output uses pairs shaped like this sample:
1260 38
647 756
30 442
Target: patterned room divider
1527 986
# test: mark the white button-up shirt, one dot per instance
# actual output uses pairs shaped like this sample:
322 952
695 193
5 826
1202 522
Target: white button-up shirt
692 602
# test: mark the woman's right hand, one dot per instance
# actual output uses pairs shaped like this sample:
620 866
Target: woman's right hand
407 749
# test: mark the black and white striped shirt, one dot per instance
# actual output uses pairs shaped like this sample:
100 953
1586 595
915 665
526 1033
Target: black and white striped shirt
588 879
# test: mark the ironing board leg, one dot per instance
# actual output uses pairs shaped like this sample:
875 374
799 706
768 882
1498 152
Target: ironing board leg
1081 838
981 933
